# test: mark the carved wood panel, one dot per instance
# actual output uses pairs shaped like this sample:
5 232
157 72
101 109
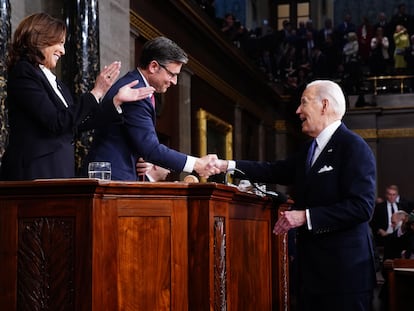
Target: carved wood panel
45 265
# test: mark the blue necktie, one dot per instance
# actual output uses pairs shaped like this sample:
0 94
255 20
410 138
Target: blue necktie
309 158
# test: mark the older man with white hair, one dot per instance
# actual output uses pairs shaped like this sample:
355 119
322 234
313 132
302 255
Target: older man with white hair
333 178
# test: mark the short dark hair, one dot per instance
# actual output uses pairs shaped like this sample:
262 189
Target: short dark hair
163 51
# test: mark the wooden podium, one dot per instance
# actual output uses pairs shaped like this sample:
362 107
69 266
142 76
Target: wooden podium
84 244
400 274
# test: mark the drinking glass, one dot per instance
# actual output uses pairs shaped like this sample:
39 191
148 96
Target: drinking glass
100 170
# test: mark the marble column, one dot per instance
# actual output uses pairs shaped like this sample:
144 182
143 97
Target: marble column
81 67
5 35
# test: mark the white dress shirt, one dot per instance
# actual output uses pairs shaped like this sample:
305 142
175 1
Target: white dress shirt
53 83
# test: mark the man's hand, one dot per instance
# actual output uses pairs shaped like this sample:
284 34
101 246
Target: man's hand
221 165
205 166
289 220
382 232
153 172
143 167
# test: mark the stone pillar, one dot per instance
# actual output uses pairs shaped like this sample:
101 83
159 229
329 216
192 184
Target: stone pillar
184 112
262 141
5 35
81 65
237 133
281 145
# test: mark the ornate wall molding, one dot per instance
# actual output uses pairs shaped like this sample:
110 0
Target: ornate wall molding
385 133
396 133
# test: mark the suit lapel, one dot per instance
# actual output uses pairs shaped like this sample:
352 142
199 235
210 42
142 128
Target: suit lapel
327 154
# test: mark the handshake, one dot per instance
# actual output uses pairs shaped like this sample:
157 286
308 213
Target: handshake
204 166
210 165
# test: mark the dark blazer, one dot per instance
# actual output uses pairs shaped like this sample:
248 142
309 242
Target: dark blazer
380 217
336 256
41 127
122 143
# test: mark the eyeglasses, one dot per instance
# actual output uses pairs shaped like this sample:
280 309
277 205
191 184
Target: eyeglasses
171 74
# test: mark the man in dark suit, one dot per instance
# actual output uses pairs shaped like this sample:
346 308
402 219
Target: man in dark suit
134 136
334 199
381 220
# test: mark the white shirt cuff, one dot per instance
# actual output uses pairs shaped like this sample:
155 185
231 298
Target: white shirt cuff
308 219
189 164
119 109
231 165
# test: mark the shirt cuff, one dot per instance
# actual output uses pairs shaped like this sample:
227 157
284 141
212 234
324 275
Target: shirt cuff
308 219
118 108
189 164
150 178
231 165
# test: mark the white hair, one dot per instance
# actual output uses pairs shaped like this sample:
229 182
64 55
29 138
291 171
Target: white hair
331 91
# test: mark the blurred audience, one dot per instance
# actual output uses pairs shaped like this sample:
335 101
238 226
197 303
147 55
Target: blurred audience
402 42
379 53
365 33
304 53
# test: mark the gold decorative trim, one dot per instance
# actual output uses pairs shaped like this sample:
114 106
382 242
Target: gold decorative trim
366 133
385 133
396 133
227 129
280 126
143 27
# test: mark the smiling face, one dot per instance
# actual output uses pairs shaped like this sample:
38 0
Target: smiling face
311 112
53 53
162 76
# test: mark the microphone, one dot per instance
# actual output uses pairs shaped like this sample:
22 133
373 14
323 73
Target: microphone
276 196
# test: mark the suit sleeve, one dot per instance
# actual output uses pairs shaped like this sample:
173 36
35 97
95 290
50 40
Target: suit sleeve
140 131
31 92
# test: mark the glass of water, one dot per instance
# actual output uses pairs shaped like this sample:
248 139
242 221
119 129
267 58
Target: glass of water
100 170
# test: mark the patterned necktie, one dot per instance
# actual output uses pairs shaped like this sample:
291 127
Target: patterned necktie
309 158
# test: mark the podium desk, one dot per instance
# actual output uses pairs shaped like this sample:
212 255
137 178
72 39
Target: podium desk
400 274
85 244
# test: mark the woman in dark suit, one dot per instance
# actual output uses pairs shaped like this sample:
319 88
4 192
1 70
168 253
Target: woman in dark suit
42 115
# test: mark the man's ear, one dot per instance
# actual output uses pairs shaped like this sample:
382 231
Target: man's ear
153 66
325 105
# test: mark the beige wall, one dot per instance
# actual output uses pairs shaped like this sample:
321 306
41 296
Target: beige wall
113 24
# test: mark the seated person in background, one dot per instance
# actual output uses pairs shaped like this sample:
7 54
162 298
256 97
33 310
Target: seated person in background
396 242
408 253
381 219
